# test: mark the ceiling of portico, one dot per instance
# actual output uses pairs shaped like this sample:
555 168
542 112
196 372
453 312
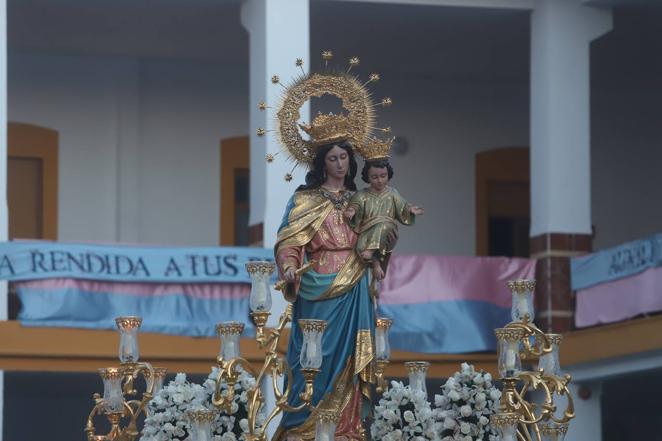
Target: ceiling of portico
399 39
472 44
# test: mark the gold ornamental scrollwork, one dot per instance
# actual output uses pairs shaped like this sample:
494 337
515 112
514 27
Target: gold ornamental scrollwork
384 323
505 419
326 415
230 328
355 99
521 286
129 322
312 325
417 366
509 334
260 267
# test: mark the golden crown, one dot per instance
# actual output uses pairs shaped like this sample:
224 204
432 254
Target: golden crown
327 129
355 123
375 148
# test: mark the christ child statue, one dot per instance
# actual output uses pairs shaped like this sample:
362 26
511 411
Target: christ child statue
375 212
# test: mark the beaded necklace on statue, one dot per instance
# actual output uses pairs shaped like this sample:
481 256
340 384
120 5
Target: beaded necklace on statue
339 198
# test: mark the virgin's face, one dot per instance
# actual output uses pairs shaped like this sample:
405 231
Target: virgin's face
336 162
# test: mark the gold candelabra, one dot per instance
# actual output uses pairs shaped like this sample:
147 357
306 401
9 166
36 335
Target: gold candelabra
121 404
519 417
122 412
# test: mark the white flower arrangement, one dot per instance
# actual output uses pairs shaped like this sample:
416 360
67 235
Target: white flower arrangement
404 414
167 420
464 408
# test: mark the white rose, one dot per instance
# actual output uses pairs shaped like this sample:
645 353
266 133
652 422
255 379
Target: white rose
495 394
409 416
425 413
465 428
483 421
449 423
480 396
228 436
390 415
453 395
478 379
180 378
440 400
465 410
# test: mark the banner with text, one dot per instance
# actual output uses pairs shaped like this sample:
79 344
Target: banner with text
616 263
27 260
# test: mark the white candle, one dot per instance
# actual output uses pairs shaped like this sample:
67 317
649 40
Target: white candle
523 306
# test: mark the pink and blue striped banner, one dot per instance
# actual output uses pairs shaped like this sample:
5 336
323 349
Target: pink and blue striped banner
618 283
438 304
181 309
442 304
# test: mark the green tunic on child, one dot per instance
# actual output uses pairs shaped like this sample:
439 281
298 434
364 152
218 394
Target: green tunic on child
375 220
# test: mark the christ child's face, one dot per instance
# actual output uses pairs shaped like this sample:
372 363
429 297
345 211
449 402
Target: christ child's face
378 178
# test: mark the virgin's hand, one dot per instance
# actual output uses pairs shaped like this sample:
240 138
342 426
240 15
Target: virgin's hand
349 213
290 274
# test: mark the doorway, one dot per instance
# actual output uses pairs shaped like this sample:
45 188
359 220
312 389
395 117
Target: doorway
32 181
235 191
503 202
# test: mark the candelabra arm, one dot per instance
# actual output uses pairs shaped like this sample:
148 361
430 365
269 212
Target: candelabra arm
90 430
380 381
272 338
531 330
227 371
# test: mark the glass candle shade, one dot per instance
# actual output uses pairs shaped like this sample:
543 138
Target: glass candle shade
129 327
325 425
417 375
311 350
112 390
508 343
230 334
201 424
522 300
549 362
553 431
260 273
506 424
382 346
159 377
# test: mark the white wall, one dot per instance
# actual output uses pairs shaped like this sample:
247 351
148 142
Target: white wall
186 110
446 124
139 142
626 161
139 155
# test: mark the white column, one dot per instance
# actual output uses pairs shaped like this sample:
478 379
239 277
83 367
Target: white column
4 218
587 424
279 34
561 33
